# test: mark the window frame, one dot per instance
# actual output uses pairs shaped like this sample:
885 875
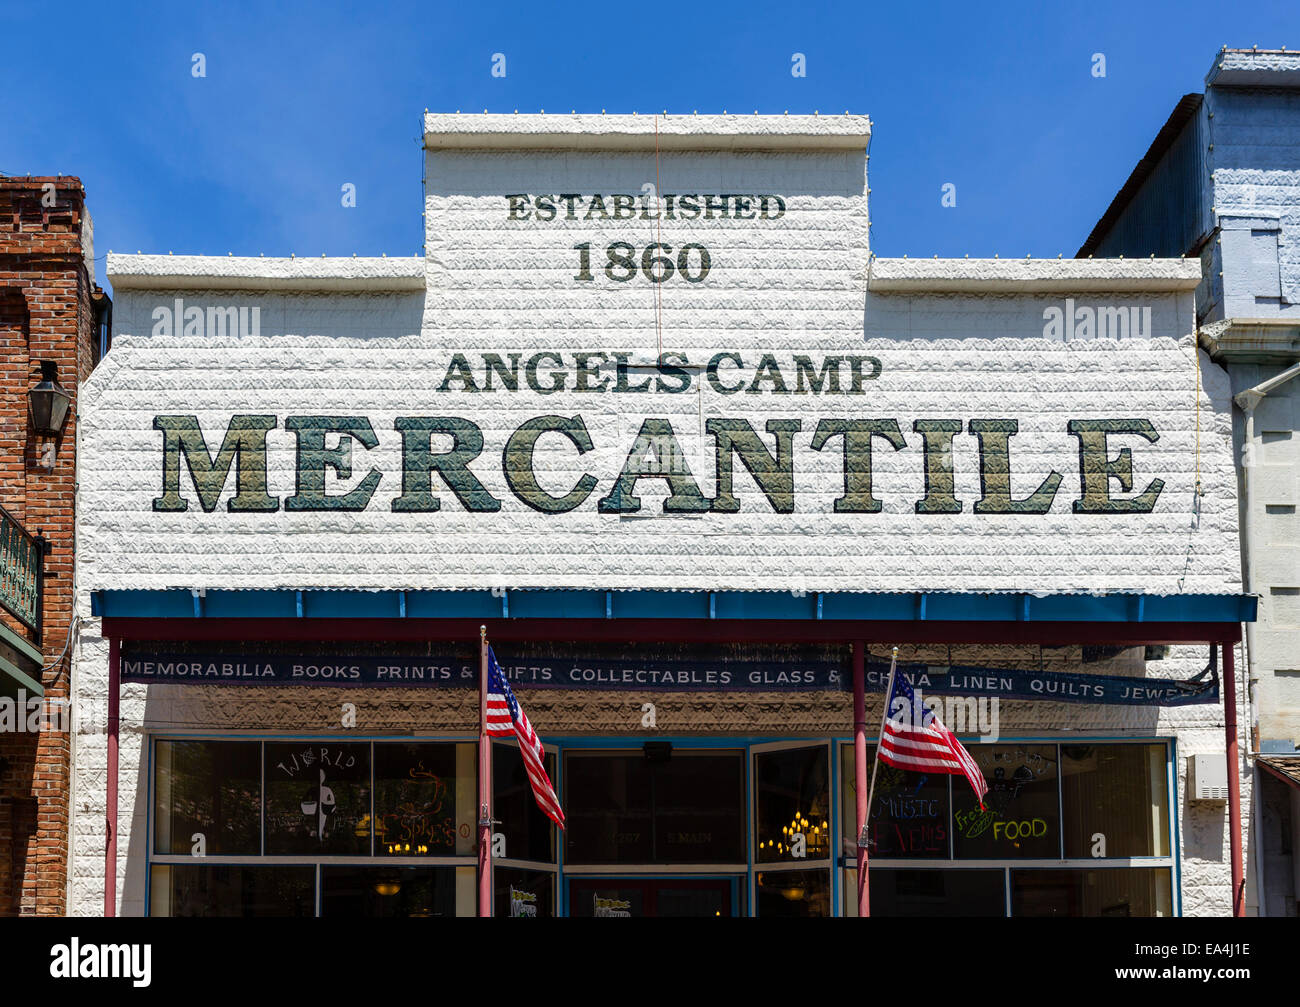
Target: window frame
262 859
840 865
846 864
552 867
739 748
827 863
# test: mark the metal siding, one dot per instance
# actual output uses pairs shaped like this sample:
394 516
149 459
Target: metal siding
1168 216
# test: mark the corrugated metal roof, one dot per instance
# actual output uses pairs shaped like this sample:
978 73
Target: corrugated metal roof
1285 767
1183 112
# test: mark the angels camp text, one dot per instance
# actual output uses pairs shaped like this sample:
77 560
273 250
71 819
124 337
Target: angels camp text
726 373
656 456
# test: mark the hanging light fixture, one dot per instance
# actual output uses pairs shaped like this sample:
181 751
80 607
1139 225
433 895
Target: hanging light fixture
49 401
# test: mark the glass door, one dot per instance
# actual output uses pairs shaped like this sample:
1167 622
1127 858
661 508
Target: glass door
654 807
525 849
652 896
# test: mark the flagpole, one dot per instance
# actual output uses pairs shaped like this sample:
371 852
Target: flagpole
864 892
484 785
860 770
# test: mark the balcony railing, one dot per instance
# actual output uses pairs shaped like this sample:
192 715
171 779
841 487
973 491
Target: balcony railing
21 558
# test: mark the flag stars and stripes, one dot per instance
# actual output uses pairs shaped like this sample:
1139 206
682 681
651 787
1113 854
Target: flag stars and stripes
913 738
504 718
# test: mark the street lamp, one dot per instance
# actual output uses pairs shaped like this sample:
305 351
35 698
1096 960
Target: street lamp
49 402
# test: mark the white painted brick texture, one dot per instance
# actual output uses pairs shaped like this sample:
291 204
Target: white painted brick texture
793 286
126 544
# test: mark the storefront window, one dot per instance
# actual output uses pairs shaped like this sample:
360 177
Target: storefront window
793 893
699 801
231 890
320 802
529 834
657 897
391 891
909 811
318 798
607 808
208 798
321 799
792 830
928 892
1143 891
416 812
656 806
523 893
792 806
1044 802
1021 817
1116 800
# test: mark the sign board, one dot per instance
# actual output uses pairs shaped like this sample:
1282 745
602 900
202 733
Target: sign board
657 368
924 467
640 673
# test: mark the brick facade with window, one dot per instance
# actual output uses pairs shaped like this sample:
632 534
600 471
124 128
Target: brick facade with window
49 311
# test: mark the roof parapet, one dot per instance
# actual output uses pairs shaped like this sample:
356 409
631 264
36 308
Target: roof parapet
215 272
1018 276
586 131
1255 68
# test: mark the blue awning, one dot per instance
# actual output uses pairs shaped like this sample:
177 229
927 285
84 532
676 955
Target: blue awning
559 603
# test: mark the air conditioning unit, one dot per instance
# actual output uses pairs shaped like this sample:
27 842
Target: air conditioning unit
1207 777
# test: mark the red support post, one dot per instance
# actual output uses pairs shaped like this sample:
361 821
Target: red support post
1234 781
110 801
860 771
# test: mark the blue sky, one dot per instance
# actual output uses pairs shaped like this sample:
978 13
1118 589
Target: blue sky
998 99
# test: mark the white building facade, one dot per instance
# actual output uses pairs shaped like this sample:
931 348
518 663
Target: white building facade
650 412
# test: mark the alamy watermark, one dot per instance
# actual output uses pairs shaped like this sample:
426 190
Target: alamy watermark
1095 321
960 714
178 319
23 714
75 960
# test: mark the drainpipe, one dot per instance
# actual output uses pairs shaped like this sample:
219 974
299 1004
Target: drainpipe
103 305
1234 780
1247 401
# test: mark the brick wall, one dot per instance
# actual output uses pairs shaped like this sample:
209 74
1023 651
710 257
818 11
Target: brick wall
47 312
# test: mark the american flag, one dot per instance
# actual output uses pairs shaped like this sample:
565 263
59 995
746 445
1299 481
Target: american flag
505 717
917 740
